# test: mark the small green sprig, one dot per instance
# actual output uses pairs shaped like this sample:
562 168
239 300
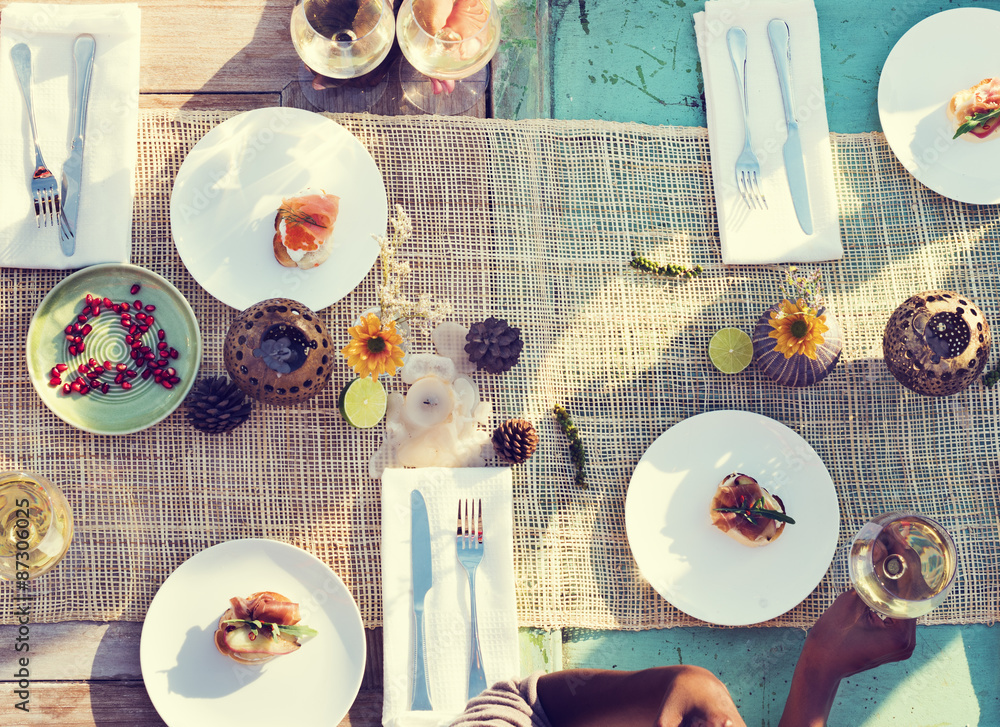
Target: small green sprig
971 122
297 630
990 379
807 288
299 218
670 270
758 509
576 452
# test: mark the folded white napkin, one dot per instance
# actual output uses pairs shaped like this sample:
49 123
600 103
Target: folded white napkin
104 225
446 606
774 235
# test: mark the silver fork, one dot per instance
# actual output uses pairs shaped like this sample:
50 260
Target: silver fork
44 187
747 165
470 548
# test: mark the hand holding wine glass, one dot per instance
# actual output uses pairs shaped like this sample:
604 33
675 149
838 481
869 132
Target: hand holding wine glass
446 42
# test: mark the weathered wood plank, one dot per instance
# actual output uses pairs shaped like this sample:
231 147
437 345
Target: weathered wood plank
126 704
214 101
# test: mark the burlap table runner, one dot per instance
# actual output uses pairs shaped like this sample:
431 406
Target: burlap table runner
535 221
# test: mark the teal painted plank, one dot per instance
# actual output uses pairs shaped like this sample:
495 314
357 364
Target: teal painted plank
953 677
636 60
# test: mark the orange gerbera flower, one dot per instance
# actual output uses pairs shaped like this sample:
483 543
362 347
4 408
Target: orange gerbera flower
374 350
797 329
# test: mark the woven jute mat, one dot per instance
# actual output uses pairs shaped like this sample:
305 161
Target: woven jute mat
535 222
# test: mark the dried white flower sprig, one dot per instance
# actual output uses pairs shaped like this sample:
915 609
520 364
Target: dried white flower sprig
424 313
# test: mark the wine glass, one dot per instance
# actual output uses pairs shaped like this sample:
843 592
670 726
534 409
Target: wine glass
36 525
446 40
342 40
903 564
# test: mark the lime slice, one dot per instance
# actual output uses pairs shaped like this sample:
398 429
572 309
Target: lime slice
730 350
362 403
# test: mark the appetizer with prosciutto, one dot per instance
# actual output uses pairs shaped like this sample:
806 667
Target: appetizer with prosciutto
748 513
303 230
975 112
257 629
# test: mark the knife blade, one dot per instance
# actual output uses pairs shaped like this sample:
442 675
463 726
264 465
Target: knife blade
777 33
420 560
72 171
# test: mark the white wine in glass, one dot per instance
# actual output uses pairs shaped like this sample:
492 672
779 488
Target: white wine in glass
36 525
446 40
903 564
342 39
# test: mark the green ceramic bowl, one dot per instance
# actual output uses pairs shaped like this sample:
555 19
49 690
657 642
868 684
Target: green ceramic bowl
119 411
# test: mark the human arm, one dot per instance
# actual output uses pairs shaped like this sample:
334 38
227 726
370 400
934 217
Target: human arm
670 696
847 639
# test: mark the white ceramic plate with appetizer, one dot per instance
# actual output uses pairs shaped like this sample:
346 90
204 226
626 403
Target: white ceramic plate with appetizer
937 58
697 567
190 682
231 185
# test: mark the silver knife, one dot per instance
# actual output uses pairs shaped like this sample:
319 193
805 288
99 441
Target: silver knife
420 560
777 32
72 172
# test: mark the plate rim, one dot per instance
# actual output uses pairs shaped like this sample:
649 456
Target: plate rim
907 161
835 520
266 543
264 113
182 391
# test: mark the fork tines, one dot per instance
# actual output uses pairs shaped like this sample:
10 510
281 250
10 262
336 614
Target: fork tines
470 528
45 195
746 181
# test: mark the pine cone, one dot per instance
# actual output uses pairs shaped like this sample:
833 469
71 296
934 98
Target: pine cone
217 405
515 440
494 345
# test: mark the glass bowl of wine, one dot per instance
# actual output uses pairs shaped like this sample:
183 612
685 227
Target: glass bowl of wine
36 525
903 564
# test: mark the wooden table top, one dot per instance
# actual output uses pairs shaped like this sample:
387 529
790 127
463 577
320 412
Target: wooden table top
195 54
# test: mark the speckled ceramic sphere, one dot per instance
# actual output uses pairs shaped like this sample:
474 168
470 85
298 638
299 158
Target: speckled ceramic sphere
799 370
279 352
937 342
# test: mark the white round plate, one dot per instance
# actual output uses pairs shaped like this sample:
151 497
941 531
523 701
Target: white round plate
692 564
191 683
935 59
230 186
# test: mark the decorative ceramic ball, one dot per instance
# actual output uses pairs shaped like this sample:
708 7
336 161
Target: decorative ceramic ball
936 343
278 352
799 369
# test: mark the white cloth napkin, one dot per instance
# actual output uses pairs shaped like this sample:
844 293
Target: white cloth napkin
104 224
774 235
446 606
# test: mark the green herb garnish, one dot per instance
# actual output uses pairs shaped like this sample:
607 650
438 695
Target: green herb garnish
671 270
758 509
971 122
300 218
991 378
298 631
576 452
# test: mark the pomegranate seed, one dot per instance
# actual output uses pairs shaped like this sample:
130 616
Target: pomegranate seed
161 334
146 374
174 353
175 379
107 365
119 378
66 389
80 348
128 340
135 288
133 329
167 385
83 368
72 350
126 385
92 362
149 356
89 299
150 308
86 329
161 362
107 303
162 345
124 308
150 320
75 386
121 367
82 318
137 304
55 381
54 372
84 389
131 373
105 388
61 367
69 329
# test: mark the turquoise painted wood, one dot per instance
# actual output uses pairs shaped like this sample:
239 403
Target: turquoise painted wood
952 679
636 60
